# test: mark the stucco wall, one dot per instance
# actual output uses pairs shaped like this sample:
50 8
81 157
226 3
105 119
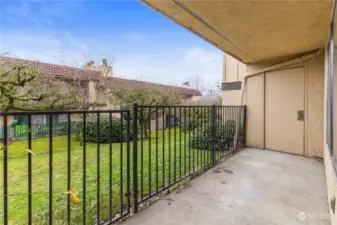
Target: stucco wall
233 70
314 107
255 111
231 97
314 126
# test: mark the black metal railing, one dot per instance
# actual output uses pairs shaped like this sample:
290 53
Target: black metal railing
201 136
103 165
39 130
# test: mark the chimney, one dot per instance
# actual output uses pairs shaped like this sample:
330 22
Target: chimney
105 68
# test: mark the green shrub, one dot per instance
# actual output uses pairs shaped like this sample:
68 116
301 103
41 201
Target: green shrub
118 133
224 136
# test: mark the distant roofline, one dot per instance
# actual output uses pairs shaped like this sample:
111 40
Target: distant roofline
67 72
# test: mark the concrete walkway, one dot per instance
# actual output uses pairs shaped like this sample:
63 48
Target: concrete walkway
265 188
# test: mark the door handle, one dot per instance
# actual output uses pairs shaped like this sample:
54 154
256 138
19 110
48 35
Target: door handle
300 115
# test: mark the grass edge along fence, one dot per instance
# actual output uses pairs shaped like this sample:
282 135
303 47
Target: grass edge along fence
39 130
80 182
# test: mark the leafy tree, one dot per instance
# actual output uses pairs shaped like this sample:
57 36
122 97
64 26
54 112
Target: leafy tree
25 90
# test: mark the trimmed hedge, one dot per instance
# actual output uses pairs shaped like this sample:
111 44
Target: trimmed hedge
224 136
118 133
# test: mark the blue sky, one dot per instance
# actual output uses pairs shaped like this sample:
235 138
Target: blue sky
144 44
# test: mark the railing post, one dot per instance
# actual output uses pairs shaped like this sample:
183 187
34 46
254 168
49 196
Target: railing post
213 132
134 155
244 124
5 170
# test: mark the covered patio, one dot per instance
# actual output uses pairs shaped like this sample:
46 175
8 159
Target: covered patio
252 187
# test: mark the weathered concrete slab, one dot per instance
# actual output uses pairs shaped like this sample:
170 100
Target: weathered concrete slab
253 187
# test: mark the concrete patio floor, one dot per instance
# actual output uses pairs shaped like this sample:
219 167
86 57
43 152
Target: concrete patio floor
265 188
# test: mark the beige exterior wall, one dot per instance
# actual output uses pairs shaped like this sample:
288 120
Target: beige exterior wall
314 107
255 100
255 111
231 97
233 70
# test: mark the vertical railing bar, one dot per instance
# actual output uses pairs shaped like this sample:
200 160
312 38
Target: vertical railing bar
84 166
241 135
214 152
208 127
226 129
213 111
98 170
185 150
189 110
128 161
163 147
223 130
218 132
180 175
149 133
175 143
209 115
199 136
233 127
193 134
69 165
30 213
231 115
236 126
208 153
244 125
156 108
50 169
135 156
203 133
229 111
198 127
169 142
121 203
5 172
110 168
142 153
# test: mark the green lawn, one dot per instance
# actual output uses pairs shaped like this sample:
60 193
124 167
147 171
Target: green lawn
18 178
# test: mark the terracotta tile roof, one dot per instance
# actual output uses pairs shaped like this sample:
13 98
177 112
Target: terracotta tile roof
115 82
53 70
67 72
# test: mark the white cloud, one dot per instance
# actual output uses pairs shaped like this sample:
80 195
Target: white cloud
170 66
43 46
